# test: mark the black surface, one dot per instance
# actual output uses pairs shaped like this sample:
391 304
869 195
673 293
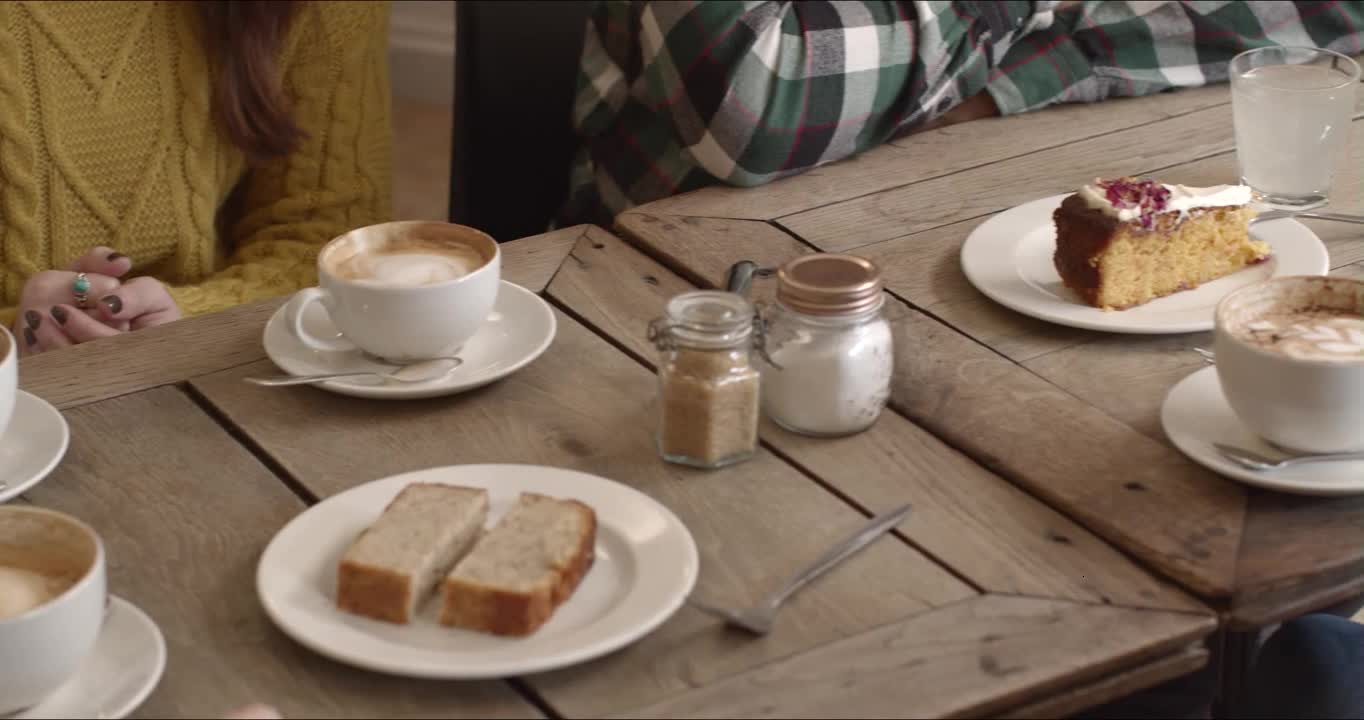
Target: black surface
516 68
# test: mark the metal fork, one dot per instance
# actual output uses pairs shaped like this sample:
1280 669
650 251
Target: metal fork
760 618
1255 461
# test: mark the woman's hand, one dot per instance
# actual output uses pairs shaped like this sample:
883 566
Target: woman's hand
49 319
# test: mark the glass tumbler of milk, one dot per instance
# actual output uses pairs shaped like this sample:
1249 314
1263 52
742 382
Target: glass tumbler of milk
1292 109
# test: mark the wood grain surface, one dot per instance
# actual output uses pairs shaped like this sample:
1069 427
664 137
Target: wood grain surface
184 512
1126 487
586 406
971 659
981 526
1077 425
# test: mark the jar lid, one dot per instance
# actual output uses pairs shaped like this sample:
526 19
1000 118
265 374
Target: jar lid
708 319
829 284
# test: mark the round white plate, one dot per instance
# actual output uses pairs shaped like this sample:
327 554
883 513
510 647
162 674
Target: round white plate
1196 415
519 329
31 446
646 564
1009 259
118 675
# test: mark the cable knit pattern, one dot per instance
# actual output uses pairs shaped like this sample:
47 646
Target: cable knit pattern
106 138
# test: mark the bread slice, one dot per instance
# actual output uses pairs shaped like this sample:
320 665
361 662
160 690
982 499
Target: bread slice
400 559
530 563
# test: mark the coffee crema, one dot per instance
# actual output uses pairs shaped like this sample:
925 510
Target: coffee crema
22 590
410 259
1309 334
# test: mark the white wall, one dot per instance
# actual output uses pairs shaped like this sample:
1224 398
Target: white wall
421 51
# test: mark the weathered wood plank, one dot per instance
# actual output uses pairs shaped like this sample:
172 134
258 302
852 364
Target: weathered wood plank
585 405
987 530
1114 687
183 535
1130 489
981 191
970 659
934 153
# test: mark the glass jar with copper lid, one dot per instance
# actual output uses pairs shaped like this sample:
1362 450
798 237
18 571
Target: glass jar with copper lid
831 348
708 385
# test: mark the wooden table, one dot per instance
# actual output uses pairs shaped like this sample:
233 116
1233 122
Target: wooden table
985 602
1069 416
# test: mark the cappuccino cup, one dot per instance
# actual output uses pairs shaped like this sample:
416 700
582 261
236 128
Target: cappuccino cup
9 377
1290 359
52 596
402 291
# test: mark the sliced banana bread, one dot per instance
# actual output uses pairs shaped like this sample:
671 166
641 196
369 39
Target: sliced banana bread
517 574
398 560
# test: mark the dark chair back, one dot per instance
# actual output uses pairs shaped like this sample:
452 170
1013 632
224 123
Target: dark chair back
516 68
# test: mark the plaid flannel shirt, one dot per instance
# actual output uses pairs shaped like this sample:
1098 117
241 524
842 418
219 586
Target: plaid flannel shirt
673 96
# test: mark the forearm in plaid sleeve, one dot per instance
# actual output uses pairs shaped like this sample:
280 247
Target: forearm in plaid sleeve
756 91
1110 49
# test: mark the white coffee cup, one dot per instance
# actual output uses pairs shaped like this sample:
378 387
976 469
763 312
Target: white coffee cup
44 640
9 377
402 291
1302 404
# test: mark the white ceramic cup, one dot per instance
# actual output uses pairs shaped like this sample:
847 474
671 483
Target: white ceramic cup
395 322
1302 405
9 377
42 648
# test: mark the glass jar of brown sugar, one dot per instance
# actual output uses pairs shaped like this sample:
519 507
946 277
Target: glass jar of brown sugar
708 385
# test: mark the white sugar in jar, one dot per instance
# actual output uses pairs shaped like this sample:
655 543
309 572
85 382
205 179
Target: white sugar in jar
831 346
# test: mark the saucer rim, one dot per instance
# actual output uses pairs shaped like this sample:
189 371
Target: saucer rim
438 388
52 413
135 699
1188 445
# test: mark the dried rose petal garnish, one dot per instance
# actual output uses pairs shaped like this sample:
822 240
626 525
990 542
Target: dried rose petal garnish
1147 196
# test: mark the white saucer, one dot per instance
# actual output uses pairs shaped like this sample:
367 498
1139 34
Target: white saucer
1196 415
1009 259
646 564
32 444
520 328
119 674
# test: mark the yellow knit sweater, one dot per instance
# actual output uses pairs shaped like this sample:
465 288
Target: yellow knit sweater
106 138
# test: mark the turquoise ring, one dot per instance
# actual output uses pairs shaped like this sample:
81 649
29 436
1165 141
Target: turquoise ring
80 287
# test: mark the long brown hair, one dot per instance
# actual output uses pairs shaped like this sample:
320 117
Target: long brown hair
243 39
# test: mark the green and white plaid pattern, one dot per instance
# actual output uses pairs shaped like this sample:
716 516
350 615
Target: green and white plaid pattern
673 96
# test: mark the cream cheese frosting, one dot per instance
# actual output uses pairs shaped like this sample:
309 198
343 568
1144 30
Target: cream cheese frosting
1129 200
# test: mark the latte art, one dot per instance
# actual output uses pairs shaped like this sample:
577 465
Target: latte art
1310 334
408 269
22 590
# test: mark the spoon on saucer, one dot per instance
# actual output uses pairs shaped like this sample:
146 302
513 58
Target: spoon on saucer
1255 461
418 372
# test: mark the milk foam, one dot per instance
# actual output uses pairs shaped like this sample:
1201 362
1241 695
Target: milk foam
409 268
1310 335
22 590
414 269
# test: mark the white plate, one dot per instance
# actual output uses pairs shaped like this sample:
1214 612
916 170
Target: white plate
32 444
1196 415
118 675
646 565
1009 259
519 329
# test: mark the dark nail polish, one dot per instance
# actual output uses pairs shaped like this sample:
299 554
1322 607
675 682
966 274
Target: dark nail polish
115 256
113 302
29 337
33 319
59 315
